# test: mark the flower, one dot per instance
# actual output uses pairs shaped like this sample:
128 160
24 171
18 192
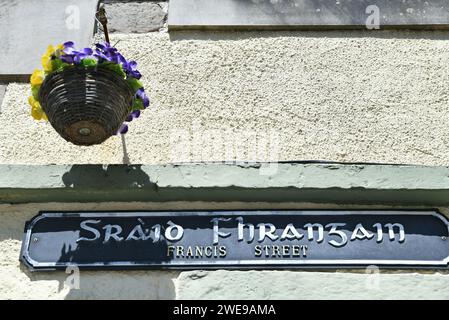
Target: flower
142 95
133 115
68 53
130 69
69 47
46 63
105 52
49 56
36 110
123 129
38 113
86 53
37 78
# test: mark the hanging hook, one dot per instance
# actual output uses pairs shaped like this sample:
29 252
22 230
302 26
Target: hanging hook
101 17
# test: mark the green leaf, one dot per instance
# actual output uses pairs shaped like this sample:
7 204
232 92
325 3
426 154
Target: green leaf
35 92
89 62
117 68
57 65
138 104
134 83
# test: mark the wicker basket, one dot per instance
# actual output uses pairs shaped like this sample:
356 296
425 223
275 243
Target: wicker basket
86 105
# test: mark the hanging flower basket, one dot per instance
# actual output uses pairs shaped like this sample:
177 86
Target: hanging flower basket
89 95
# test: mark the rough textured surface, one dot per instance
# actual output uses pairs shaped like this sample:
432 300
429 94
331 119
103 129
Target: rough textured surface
346 96
136 17
16 282
265 285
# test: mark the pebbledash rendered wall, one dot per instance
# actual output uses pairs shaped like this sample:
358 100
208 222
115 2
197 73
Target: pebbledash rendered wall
350 96
372 96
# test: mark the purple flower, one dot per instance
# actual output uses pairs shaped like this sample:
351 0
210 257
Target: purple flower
142 95
123 129
86 53
130 69
101 56
68 53
133 115
71 56
106 52
69 47
67 58
101 46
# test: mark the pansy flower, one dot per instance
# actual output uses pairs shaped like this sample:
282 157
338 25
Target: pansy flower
36 110
133 115
130 69
142 95
68 53
85 54
49 56
123 129
37 78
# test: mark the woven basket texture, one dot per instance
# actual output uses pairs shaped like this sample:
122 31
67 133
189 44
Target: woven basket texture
86 105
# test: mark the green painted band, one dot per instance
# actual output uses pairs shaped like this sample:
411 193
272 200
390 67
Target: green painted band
319 183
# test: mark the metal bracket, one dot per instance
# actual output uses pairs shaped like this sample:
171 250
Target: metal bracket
101 17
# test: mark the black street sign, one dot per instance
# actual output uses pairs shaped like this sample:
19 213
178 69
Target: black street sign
237 239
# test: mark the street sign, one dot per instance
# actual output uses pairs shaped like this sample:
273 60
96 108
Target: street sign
237 239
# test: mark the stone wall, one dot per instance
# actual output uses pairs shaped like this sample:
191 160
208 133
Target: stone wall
135 16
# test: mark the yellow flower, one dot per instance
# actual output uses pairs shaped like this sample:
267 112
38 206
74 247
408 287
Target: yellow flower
46 63
37 77
31 100
52 49
36 110
38 113
46 58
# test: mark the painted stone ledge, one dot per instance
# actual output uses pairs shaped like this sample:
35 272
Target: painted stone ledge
275 182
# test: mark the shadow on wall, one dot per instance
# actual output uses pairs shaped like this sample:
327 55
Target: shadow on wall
110 176
211 35
101 285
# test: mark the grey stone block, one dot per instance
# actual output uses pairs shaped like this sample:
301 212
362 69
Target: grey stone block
307 14
136 17
2 94
124 1
28 27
